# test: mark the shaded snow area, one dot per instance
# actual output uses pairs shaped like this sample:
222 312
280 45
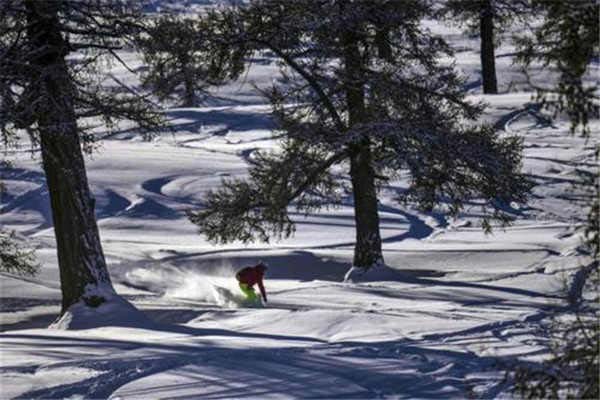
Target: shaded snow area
452 312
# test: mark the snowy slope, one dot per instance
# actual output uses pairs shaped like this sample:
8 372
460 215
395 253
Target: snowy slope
461 309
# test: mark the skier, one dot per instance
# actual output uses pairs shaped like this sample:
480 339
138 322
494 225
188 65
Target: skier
248 277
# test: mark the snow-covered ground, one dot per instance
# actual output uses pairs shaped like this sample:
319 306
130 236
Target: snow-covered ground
462 309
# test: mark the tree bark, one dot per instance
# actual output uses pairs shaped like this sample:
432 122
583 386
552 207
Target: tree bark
384 49
367 251
488 57
83 272
189 90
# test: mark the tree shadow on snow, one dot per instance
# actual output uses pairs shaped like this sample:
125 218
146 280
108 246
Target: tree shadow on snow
231 118
296 264
325 370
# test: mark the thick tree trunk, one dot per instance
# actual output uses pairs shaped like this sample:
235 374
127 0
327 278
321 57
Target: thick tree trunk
83 272
488 57
189 92
367 251
190 98
384 49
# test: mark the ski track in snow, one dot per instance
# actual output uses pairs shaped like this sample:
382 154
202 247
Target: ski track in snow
149 369
461 309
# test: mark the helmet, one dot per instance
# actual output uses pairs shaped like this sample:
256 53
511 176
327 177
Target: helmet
261 266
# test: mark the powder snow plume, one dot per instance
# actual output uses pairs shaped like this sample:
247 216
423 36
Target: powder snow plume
216 285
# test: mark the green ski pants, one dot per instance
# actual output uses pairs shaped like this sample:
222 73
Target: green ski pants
249 292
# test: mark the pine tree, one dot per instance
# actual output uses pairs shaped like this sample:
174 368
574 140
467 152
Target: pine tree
15 258
182 59
488 18
54 99
568 41
362 88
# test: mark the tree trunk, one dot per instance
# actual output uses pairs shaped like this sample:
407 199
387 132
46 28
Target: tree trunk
189 92
488 57
367 251
384 49
83 272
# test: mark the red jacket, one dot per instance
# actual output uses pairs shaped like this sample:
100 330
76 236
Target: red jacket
252 276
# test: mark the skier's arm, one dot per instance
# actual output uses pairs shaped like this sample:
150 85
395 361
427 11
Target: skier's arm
262 289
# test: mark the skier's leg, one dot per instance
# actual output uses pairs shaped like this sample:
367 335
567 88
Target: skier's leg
248 291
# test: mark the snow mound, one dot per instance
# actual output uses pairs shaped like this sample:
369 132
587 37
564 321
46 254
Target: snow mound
114 311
